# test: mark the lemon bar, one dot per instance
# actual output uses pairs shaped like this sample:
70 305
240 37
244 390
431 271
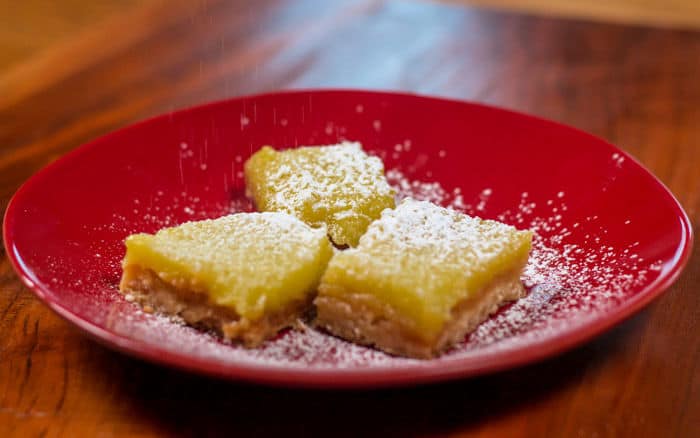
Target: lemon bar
337 185
245 275
421 278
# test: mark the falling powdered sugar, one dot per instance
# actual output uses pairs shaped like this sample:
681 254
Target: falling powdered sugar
573 275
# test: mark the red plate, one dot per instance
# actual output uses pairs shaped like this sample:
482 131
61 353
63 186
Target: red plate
610 236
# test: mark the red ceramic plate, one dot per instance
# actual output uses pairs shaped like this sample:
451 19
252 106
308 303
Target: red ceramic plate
610 236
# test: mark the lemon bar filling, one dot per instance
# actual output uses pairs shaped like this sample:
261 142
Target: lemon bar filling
421 260
337 185
252 264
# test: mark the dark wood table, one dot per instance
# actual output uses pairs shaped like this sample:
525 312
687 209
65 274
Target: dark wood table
637 87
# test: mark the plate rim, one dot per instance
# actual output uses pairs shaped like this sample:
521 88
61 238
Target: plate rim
361 377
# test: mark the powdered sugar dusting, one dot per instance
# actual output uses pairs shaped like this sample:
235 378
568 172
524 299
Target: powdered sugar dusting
336 185
323 176
569 283
574 274
301 348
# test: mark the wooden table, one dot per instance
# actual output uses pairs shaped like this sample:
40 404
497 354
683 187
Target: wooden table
637 87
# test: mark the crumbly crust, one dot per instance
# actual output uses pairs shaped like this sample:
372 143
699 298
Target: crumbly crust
355 318
195 308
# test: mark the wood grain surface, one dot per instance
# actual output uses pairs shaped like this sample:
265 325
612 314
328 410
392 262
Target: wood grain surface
667 13
637 87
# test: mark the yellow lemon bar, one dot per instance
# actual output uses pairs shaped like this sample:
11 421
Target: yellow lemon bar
245 275
338 185
421 278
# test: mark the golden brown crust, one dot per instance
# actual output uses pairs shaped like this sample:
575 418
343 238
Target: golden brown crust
355 318
195 308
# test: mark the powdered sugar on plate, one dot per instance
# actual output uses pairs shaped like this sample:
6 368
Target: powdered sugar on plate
568 283
573 275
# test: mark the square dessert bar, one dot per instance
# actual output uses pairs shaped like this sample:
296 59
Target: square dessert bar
421 278
245 275
338 185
